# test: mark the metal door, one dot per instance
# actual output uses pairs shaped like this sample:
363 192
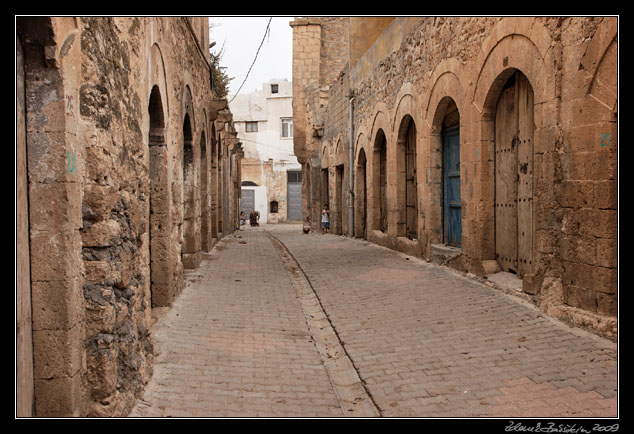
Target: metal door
294 196
451 183
247 202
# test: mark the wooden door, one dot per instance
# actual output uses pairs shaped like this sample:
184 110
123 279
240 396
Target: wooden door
451 183
411 196
514 126
383 186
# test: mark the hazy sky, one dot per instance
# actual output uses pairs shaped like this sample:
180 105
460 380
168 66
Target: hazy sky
241 37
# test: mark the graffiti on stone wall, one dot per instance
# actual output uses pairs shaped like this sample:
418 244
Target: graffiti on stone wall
605 140
71 164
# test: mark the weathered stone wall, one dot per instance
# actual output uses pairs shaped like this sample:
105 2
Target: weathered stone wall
320 53
119 111
115 210
421 68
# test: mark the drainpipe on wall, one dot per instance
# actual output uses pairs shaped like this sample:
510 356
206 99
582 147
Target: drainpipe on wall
351 166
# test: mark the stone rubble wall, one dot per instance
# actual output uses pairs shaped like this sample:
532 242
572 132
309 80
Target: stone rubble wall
98 221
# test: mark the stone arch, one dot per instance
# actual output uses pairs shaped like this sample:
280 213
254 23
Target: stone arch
361 191
379 182
339 155
205 218
377 159
324 180
446 82
380 121
187 101
157 77
213 183
325 154
220 162
360 145
446 98
160 226
512 53
406 104
339 197
602 81
190 251
406 179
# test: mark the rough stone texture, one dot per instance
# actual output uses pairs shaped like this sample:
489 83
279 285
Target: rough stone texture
110 111
420 66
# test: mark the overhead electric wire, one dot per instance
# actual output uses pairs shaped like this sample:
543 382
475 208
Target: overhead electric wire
256 56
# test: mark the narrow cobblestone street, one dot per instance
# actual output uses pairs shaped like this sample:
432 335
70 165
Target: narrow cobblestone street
274 324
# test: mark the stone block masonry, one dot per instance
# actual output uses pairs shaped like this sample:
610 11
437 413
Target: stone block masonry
437 164
131 171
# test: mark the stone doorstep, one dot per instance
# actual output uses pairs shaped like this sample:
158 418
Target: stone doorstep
506 280
440 253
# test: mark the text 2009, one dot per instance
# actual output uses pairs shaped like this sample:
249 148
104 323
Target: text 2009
607 428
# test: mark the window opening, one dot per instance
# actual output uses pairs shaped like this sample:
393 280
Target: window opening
287 127
251 127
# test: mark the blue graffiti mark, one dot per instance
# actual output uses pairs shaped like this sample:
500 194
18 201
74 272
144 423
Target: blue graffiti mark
605 140
72 165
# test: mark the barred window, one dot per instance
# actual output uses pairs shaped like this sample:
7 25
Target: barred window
294 176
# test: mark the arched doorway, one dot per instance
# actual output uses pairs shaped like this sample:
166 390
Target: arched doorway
452 203
160 228
361 196
406 182
205 229
337 228
514 128
379 187
189 247
213 185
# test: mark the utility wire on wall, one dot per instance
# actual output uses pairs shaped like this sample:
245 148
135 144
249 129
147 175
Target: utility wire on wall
266 32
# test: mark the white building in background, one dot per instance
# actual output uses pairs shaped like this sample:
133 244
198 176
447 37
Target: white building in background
271 175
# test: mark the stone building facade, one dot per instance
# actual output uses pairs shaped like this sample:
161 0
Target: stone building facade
486 143
264 122
127 169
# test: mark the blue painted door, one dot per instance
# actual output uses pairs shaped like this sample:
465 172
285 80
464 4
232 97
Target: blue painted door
451 183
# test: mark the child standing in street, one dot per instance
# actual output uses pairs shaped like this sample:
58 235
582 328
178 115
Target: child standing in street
325 219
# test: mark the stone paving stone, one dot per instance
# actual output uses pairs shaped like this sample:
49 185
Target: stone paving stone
425 340
467 350
236 343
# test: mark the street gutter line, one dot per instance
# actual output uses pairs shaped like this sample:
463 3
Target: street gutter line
355 399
